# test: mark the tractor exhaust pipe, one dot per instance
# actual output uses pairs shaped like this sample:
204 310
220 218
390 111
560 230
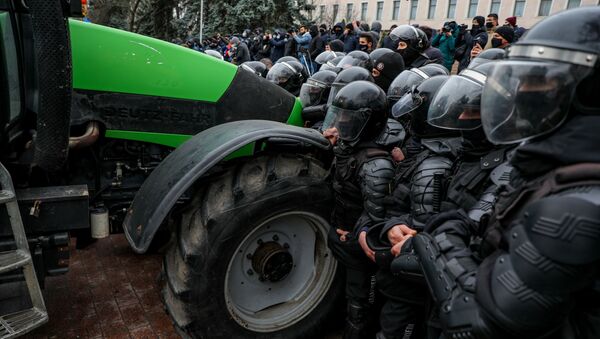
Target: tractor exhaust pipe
91 135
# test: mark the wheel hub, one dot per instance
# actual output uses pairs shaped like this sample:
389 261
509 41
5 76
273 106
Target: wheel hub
272 261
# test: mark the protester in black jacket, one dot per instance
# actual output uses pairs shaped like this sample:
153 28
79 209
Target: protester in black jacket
317 46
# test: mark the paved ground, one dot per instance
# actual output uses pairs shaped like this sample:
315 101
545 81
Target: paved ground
110 292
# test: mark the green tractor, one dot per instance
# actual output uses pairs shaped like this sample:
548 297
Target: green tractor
106 131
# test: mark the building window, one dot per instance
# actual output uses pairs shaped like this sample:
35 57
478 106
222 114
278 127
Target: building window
349 10
321 13
363 11
545 6
473 8
335 13
519 7
396 10
495 7
379 10
573 4
451 8
432 6
413 9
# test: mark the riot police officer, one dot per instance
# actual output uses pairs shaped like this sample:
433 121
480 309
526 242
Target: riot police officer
289 75
418 185
314 94
538 275
356 117
412 42
481 168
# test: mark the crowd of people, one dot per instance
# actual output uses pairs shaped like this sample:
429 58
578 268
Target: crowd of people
467 205
447 45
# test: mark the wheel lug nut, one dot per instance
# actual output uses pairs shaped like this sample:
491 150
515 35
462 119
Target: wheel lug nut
259 241
275 237
250 272
286 246
249 256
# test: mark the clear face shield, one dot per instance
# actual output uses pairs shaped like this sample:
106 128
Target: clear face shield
457 104
349 123
525 99
312 93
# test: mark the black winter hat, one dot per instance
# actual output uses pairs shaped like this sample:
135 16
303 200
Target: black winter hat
389 66
506 32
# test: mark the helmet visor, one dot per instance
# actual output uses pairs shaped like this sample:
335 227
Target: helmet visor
324 57
335 88
403 83
457 105
312 93
525 99
408 103
280 73
349 123
349 61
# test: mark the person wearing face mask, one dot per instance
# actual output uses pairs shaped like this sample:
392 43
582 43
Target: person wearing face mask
491 23
512 22
446 42
316 47
361 175
350 39
240 50
475 36
503 37
325 34
365 42
386 69
277 42
411 43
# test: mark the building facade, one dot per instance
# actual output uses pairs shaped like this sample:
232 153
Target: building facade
434 13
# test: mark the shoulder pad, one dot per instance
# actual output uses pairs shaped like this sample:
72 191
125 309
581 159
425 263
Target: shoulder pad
566 227
378 167
443 146
393 134
500 175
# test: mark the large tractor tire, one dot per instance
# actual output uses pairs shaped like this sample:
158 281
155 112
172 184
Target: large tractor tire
250 259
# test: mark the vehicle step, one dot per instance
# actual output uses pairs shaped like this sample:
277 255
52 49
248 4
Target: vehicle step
18 323
12 260
6 196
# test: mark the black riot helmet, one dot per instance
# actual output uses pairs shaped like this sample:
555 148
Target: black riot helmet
411 42
214 54
286 59
378 53
255 67
457 104
331 65
416 103
387 69
552 72
356 58
326 56
316 89
358 112
487 56
347 76
405 81
287 75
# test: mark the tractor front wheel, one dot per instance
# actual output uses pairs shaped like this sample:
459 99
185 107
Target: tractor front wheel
251 256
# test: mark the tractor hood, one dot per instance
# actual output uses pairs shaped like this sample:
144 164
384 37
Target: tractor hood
150 90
